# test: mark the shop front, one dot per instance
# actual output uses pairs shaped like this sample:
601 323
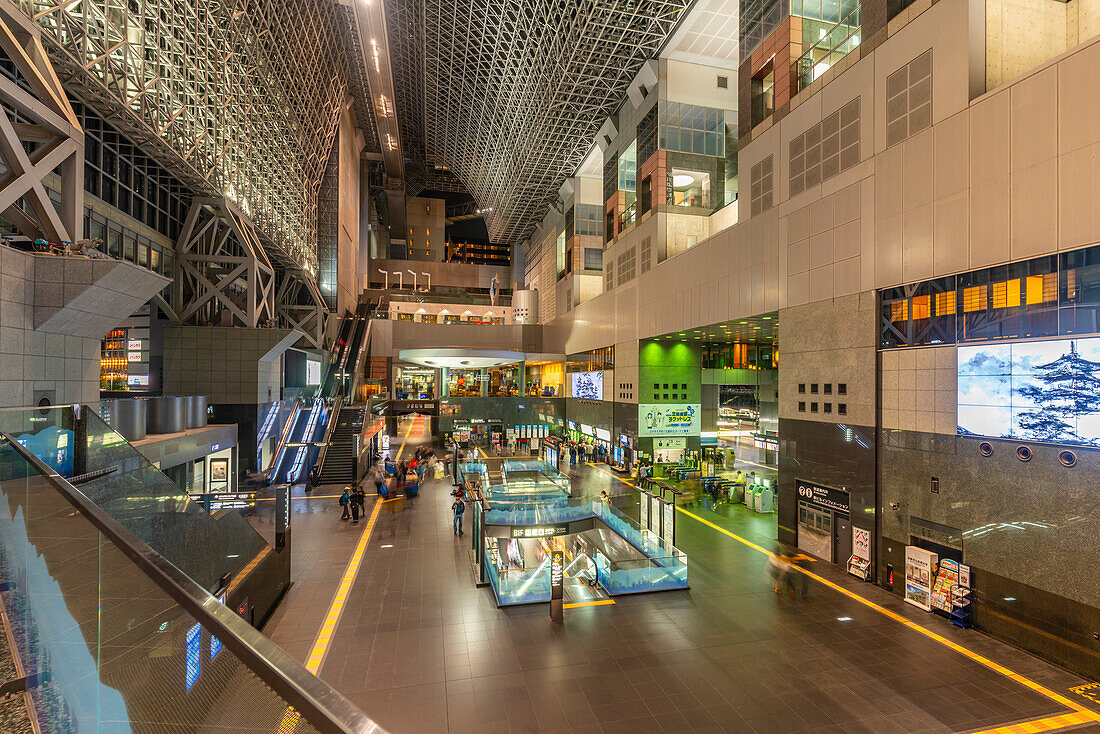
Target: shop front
414 382
622 453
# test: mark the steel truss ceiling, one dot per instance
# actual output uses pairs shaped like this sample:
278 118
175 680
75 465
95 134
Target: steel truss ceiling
510 93
239 98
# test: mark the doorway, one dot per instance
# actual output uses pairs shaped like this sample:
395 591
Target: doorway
842 538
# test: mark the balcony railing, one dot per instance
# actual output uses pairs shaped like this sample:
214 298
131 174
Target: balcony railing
838 42
628 217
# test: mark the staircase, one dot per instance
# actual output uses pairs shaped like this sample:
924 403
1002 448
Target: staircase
340 459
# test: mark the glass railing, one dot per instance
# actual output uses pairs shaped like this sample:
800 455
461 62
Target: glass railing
452 294
125 485
629 216
113 637
834 45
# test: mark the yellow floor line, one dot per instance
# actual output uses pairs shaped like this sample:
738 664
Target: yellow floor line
1049 723
1087 714
976 657
598 603
336 608
247 570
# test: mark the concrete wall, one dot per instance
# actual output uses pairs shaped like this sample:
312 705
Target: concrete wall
350 141
54 312
229 365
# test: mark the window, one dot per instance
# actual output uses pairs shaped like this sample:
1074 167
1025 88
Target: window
428 318
593 258
813 389
842 388
828 407
692 129
813 407
723 82
842 408
801 406
828 388
762 91
801 388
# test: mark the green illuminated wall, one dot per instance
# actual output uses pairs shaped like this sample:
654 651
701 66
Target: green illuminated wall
673 363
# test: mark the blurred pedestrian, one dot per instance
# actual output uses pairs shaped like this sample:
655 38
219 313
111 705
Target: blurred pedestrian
345 500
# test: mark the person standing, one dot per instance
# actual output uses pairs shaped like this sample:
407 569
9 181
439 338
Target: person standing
459 508
345 500
356 503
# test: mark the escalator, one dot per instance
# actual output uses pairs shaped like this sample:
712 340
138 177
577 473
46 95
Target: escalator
314 419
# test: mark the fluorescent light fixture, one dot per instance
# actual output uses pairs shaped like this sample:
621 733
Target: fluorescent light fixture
682 179
388 545
844 619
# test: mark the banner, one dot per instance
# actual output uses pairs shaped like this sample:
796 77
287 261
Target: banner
669 419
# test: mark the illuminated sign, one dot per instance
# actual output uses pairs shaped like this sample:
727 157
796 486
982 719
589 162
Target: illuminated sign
544 531
557 574
133 356
133 344
827 497
587 430
313 372
194 645
137 380
603 434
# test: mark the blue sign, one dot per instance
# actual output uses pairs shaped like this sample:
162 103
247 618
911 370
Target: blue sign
194 645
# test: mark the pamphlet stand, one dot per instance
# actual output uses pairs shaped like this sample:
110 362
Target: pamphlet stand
859 568
960 611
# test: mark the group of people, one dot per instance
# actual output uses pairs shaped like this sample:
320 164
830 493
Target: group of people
352 501
785 576
397 483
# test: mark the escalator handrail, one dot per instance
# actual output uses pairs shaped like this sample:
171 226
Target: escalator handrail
318 703
344 355
333 417
355 370
284 437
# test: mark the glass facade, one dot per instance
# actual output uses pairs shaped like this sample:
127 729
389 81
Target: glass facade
739 356
692 129
1047 296
588 219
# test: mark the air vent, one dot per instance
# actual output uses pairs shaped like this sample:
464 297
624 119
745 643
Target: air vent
1023 453
909 99
1067 458
985 448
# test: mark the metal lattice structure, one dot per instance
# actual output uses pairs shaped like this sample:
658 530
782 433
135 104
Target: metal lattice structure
509 94
238 98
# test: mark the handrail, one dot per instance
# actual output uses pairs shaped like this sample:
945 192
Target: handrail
337 388
825 46
321 705
333 416
284 437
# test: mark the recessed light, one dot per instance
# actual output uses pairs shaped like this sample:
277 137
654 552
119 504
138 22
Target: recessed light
1010 598
844 619
388 545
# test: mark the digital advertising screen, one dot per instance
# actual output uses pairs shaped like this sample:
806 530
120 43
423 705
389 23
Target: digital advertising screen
1032 391
587 385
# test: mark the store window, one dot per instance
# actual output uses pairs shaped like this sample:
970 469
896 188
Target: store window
505 381
452 318
415 383
464 383
428 318
544 379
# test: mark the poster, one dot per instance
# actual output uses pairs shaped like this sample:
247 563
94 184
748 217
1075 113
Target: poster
919 569
861 543
964 576
219 470
669 419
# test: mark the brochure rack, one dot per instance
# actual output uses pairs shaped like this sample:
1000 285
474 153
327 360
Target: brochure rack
859 568
960 612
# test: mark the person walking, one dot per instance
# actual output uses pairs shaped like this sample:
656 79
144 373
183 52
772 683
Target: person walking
345 500
459 508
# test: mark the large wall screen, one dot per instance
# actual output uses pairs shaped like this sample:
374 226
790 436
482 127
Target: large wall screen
587 385
1032 391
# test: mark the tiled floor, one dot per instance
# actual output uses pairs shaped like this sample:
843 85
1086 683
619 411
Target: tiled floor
421 649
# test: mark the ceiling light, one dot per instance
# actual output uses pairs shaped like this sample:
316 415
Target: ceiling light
682 179
839 619
388 545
